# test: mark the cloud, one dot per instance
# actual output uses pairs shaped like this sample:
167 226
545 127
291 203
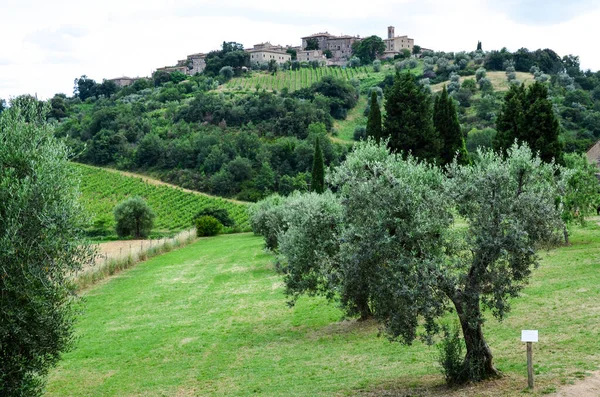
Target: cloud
46 46
59 39
544 12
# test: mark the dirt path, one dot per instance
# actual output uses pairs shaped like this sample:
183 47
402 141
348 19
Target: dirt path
154 181
588 387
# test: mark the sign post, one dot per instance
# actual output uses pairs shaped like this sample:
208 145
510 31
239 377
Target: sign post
529 336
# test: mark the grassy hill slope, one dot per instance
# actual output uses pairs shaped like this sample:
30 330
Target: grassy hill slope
498 80
211 319
174 207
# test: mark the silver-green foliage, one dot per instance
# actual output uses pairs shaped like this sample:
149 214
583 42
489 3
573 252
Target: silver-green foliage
309 245
395 254
40 246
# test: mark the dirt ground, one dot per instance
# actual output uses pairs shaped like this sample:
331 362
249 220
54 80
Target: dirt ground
588 387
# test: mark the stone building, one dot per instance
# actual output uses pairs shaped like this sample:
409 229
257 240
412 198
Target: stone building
395 44
265 52
170 69
123 81
196 63
339 46
310 55
593 155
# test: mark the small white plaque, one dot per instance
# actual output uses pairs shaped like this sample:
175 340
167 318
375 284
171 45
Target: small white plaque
529 335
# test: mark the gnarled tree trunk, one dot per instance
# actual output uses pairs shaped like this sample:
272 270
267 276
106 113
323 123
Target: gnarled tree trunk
478 363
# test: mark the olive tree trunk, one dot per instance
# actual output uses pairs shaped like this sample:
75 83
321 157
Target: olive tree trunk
478 363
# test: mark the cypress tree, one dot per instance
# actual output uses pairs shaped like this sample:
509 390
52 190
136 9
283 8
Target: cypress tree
318 170
479 46
527 116
445 120
408 120
374 119
509 123
541 129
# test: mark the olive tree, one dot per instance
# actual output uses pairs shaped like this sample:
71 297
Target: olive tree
40 247
133 217
398 256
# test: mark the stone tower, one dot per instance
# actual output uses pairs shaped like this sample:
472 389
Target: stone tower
390 32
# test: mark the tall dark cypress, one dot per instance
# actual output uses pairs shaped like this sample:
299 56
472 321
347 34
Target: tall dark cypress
509 123
374 119
318 170
408 120
527 116
445 121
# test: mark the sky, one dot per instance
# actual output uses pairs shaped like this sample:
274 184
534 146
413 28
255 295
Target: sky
45 45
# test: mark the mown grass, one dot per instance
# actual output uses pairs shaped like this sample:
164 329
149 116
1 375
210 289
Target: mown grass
210 319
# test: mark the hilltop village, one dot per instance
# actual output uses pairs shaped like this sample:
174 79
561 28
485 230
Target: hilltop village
324 47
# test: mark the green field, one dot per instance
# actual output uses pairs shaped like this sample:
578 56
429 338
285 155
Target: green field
296 79
211 319
174 208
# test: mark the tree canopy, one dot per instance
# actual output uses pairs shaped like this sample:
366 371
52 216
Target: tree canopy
40 246
399 258
368 49
408 121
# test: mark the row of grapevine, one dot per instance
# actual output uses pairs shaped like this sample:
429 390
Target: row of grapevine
102 190
294 79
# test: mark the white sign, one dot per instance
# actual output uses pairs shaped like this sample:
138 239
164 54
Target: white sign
529 335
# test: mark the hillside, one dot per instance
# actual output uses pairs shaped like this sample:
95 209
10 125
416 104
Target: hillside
498 79
174 207
211 319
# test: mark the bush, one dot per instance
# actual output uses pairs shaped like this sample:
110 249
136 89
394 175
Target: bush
266 219
360 132
377 65
450 354
133 217
207 226
219 214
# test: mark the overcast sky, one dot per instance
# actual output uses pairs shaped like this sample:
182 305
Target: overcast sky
45 45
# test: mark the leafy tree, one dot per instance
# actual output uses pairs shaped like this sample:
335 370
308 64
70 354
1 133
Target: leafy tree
226 72
312 44
293 53
445 121
318 170
2 105
84 88
408 120
416 49
133 217
580 191
368 49
354 62
40 247
398 257
374 120
328 54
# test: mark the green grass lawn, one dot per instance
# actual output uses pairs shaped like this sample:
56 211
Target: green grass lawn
211 319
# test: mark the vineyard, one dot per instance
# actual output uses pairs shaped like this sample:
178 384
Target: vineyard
295 79
101 190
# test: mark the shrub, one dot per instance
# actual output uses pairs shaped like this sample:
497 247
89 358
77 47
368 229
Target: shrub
219 214
377 65
360 132
450 354
207 226
133 217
